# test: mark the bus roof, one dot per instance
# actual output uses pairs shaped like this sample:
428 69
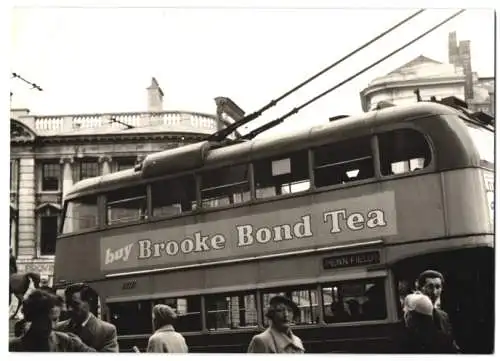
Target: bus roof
205 155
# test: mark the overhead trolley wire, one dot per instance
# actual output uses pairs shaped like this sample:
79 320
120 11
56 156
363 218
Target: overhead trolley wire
223 133
277 121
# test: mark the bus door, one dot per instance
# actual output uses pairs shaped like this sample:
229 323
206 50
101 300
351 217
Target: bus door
468 292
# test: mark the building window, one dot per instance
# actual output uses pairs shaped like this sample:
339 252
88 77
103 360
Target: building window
85 169
125 163
403 151
49 221
51 176
14 175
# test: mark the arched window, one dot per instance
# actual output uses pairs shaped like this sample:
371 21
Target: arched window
48 225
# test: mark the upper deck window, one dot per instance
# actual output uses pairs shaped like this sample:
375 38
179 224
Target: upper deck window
126 205
286 174
224 186
171 197
484 140
403 151
343 162
81 214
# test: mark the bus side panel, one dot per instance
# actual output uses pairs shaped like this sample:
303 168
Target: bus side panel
466 206
379 338
419 208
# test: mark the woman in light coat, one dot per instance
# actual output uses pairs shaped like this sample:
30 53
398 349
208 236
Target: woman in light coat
165 339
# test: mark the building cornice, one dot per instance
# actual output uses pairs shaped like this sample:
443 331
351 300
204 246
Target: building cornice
121 138
403 84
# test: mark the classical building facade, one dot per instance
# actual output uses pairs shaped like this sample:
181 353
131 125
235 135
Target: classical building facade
433 78
51 153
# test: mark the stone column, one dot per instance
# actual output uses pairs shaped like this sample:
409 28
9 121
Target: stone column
26 215
105 160
67 174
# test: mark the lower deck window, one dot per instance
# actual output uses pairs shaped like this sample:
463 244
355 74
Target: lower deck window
188 310
231 311
131 318
354 301
306 299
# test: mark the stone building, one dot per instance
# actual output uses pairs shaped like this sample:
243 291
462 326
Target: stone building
433 78
51 153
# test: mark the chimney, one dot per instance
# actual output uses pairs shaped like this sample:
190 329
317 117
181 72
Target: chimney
155 97
465 60
453 49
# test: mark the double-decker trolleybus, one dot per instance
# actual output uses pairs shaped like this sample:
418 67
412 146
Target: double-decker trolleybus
337 217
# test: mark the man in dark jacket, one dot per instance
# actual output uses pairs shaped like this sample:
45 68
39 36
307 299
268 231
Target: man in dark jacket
41 311
94 332
430 283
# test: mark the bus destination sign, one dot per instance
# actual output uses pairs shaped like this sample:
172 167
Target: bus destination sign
352 260
309 226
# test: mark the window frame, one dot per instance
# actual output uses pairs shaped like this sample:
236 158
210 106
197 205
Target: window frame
232 203
428 140
43 177
143 213
271 160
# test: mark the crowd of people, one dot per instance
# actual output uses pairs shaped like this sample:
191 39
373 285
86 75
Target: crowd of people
427 328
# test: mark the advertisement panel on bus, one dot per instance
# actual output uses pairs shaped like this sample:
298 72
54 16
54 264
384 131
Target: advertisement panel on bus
308 227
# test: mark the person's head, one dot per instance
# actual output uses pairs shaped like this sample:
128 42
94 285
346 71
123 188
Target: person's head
78 299
163 315
41 309
418 310
281 312
431 283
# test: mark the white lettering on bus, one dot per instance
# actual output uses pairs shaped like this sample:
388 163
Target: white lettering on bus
149 249
354 221
120 254
263 235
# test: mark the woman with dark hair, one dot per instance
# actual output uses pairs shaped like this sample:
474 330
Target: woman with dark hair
41 311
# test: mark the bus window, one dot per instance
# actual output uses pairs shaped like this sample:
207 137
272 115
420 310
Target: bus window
126 205
188 310
173 196
403 151
284 175
353 301
131 318
81 214
343 162
225 186
307 300
231 311
484 140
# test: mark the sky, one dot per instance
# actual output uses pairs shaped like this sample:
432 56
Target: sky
92 60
